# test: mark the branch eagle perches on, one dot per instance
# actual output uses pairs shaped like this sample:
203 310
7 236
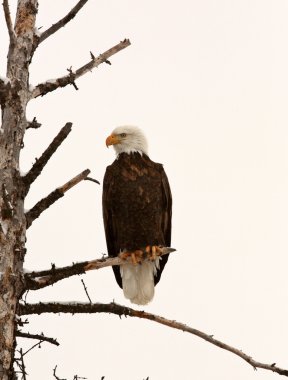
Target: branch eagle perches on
41 279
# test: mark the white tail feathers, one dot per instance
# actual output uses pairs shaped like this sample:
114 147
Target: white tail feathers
138 281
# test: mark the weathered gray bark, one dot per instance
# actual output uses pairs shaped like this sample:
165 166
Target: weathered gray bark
14 99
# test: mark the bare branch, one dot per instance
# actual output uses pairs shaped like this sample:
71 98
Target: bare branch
40 163
38 344
92 180
41 279
61 23
43 88
86 290
37 336
33 124
46 202
54 374
76 377
9 24
114 308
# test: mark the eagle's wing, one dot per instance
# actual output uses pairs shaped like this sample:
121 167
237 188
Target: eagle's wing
165 220
110 230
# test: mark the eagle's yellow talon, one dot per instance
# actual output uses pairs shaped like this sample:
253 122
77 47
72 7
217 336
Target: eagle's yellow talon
135 256
152 251
124 255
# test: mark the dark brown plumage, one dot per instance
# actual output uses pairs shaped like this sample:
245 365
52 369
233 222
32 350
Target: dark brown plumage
137 207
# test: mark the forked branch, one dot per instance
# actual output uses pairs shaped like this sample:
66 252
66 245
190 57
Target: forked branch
119 310
61 23
51 85
46 202
41 279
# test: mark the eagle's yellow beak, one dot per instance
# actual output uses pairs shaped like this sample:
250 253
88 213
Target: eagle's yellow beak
112 140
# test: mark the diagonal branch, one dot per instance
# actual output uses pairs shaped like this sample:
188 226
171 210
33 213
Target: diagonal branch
9 24
114 308
37 336
51 85
41 279
61 23
40 163
46 202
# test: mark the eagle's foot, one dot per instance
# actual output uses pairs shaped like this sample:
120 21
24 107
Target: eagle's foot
135 257
153 251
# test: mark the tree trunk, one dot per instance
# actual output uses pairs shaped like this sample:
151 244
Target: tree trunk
14 100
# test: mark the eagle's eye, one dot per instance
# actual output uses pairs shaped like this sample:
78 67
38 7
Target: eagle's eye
123 135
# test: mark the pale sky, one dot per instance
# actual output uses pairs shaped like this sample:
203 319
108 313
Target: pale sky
207 81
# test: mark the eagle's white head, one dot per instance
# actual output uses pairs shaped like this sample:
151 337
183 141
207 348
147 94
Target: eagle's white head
128 139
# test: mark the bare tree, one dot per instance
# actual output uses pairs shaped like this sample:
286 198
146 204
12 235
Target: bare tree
15 93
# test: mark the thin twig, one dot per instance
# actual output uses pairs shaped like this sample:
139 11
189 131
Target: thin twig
40 163
61 23
38 344
22 364
48 86
120 310
33 124
86 290
46 202
37 336
41 279
92 180
9 24
54 374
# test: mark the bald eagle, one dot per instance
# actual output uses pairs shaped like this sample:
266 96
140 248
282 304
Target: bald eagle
137 209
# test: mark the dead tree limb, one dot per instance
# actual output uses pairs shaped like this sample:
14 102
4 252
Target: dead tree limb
61 23
46 202
9 21
75 308
21 334
51 85
40 163
41 279
33 124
